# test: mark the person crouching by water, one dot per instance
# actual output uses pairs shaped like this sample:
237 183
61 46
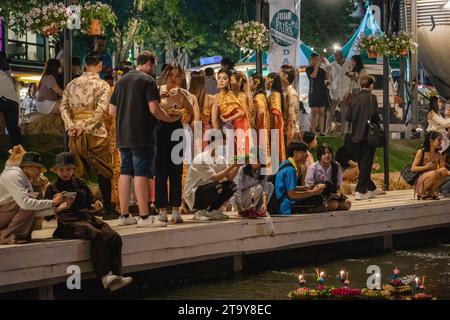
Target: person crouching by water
253 189
18 203
431 166
78 222
328 172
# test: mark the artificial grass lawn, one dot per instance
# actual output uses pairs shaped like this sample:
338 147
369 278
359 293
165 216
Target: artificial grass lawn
401 151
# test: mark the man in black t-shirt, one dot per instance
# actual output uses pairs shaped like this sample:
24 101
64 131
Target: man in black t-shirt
135 104
318 94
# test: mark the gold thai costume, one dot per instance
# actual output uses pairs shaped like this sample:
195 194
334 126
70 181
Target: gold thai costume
229 105
84 103
291 115
277 113
260 102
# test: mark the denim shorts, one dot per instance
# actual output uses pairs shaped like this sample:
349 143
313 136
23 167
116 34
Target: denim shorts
138 162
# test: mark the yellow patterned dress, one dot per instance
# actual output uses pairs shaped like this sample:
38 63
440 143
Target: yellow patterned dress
277 121
263 123
291 116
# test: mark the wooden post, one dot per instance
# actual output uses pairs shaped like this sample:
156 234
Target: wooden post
414 64
386 106
259 53
238 263
46 293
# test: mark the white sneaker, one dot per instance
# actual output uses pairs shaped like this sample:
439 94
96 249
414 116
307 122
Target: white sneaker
163 217
122 282
376 192
150 222
128 221
217 215
109 280
201 215
361 196
176 218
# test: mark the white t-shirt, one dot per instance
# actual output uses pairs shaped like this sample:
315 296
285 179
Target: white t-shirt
7 88
340 82
200 173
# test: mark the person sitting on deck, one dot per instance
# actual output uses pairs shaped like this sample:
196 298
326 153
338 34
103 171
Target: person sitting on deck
18 203
78 222
328 172
209 183
429 162
291 197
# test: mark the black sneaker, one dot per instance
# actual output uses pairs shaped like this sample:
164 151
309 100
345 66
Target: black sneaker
110 215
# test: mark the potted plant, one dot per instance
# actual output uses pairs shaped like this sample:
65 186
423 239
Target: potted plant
371 44
251 35
401 44
95 17
48 20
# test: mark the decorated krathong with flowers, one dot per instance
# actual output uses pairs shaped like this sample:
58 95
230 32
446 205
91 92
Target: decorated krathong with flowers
396 289
48 20
95 17
251 35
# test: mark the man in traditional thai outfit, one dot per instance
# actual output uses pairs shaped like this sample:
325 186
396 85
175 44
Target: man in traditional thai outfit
291 104
83 105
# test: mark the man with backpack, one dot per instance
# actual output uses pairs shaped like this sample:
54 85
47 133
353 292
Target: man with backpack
290 198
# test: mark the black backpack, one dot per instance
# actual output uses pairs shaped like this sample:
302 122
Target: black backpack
274 204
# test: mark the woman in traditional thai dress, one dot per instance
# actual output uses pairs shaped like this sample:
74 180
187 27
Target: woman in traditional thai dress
276 108
228 112
205 101
262 119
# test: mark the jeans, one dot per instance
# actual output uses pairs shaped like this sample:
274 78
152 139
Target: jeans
139 162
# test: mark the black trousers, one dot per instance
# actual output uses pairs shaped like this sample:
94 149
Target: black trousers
10 110
106 244
364 156
213 195
105 187
166 170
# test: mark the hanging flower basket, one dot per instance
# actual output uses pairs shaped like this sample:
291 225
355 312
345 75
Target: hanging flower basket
48 20
95 17
95 28
250 35
372 54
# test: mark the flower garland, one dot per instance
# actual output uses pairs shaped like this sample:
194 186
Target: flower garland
250 35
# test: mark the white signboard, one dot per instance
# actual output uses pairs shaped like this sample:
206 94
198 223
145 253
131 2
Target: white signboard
284 33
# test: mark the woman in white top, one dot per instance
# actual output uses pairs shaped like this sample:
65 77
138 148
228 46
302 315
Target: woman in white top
357 72
438 123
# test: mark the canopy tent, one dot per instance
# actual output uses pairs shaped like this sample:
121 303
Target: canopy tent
305 51
368 27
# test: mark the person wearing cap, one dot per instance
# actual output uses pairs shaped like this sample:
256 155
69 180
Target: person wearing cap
78 222
84 103
18 203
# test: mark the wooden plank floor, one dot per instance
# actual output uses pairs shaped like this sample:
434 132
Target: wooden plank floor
45 260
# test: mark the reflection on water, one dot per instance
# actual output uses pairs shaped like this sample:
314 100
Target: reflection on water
432 262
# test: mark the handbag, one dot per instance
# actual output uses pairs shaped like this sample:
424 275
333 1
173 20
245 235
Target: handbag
375 135
408 175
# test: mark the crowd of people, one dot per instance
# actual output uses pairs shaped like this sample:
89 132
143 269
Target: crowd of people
138 133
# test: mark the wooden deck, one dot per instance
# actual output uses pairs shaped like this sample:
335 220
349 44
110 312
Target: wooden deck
44 262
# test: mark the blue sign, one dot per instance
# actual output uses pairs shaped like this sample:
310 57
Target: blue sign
210 60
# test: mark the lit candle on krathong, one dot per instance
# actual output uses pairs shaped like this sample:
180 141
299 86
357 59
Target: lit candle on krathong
417 282
301 279
322 277
341 275
346 282
422 286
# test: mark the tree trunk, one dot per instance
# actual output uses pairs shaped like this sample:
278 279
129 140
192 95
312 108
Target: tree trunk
123 46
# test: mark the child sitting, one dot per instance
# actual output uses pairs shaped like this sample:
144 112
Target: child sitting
77 222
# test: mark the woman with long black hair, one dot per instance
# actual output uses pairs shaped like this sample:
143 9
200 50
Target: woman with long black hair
358 70
276 108
48 90
438 123
328 172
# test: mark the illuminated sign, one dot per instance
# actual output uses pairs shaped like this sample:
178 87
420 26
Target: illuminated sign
210 60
